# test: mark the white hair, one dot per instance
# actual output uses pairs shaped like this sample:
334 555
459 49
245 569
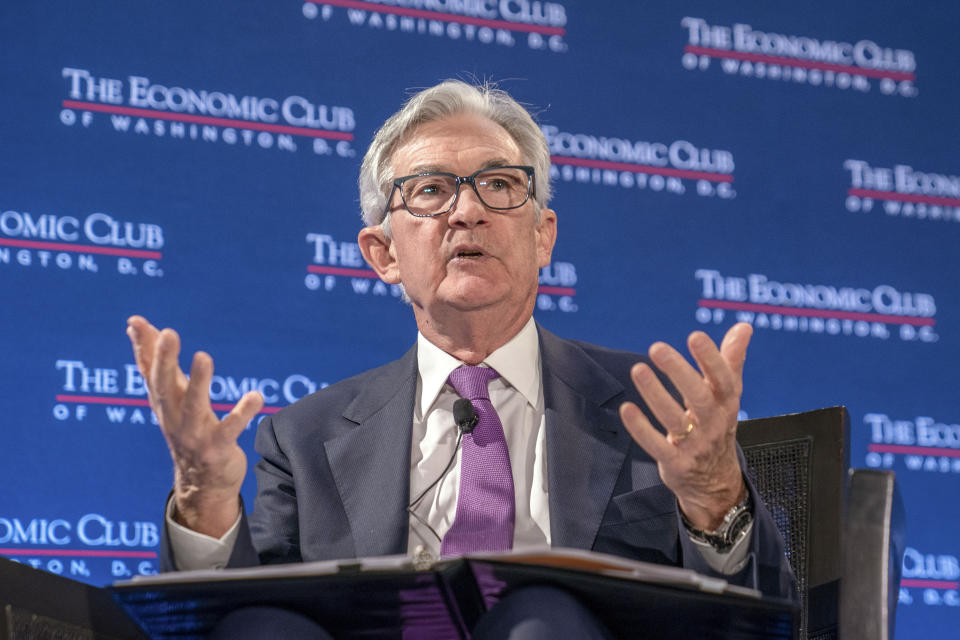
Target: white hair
449 98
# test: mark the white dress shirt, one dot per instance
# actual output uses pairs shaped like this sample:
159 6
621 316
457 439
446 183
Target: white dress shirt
517 396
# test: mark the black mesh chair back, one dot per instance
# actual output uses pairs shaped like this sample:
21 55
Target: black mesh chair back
797 463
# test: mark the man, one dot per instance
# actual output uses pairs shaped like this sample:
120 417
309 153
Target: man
454 191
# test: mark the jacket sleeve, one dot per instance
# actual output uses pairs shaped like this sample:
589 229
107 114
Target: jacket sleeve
766 568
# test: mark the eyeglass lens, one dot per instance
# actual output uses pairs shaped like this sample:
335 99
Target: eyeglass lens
498 188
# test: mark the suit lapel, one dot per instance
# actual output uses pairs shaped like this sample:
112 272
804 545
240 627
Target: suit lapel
586 444
586 447
371 463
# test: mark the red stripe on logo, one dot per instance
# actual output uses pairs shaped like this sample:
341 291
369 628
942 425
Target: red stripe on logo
907 449
218 122
342 271
78 553
905 197
142 402
643 168
557 291
805 64
816 313
929 584
444 17
80 248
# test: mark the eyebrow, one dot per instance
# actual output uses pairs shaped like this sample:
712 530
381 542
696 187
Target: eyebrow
428 168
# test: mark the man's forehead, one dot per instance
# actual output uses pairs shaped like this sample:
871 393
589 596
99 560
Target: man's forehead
442 166
461 141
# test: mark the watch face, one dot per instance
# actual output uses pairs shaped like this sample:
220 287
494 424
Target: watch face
738 525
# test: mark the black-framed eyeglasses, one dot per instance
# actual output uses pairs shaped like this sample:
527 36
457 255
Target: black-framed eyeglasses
434 193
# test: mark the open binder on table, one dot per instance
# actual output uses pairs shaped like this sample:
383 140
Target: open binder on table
417 597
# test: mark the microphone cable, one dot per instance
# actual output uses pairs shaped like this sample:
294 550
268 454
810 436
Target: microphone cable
466 419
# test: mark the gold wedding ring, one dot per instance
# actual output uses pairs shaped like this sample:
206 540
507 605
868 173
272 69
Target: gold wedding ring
677 437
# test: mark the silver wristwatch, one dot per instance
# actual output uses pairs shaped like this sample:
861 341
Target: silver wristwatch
734 527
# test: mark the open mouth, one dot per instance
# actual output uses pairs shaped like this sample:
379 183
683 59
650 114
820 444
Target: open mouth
466 251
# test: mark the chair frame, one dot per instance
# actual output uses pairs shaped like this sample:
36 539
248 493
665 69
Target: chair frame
824 432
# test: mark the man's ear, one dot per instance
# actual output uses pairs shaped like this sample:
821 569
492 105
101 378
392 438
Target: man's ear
546 235
376 249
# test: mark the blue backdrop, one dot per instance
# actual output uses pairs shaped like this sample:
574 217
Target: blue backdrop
794 165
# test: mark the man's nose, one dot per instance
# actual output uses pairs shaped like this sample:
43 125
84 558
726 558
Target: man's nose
469 210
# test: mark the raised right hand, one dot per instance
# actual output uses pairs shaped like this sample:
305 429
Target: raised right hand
209 465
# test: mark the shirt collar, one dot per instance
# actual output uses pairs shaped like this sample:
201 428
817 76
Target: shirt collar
517 362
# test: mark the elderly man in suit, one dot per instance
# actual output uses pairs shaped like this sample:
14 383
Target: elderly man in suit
574 445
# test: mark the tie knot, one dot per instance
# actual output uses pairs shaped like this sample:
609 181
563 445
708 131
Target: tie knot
471 382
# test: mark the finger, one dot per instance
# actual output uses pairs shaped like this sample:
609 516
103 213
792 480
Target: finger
143 337
716 370
242 413
734 346
645 435
696 394
168 380
663 405
196 403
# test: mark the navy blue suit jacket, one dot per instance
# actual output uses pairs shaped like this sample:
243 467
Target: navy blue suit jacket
334 477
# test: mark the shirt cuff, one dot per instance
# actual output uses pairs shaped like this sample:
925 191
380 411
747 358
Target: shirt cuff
192 550
730 561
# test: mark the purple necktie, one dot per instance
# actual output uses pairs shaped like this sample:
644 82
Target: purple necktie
485 509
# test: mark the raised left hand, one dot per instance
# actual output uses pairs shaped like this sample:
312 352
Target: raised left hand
697 458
